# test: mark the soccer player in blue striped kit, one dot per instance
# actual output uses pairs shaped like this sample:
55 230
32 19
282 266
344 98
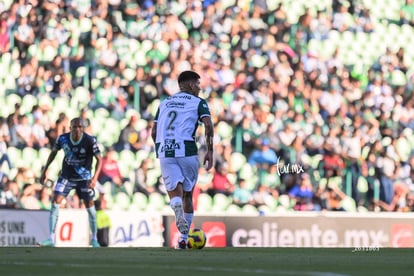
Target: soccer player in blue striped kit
175 124
76 173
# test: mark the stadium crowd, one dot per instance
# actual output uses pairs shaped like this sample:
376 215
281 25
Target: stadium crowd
298 127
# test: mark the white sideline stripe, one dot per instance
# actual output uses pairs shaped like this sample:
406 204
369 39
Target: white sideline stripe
194 268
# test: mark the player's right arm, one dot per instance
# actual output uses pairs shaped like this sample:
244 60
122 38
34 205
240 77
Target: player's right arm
154 132
154 126
50 159
209 132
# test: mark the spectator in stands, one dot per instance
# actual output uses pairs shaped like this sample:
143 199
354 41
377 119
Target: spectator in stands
364 21
242 195
4 178
45 197
302 193
264 156
9 195
351 153
104 96
398 202
24 132
40 138
407 13
4 140
332 199
60 126
61 85
314 142
263 196
87 125
141 183
24 36
111 172
4 37
332 161
129 137
29 197
342 19
26 82
331 100
221 183
385 168
321 25
409 199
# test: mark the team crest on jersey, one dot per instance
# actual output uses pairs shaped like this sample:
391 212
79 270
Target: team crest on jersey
82 151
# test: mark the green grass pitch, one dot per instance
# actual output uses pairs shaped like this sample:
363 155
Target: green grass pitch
208 261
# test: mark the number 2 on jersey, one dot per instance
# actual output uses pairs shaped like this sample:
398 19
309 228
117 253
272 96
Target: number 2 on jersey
172 115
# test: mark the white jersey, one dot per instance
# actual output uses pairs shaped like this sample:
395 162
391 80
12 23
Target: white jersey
177 119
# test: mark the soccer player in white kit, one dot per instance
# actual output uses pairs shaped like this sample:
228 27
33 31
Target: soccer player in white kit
175 124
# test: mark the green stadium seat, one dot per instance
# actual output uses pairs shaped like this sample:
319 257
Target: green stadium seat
348 203
153 175
284 200
13 99
102 113
220 202
139 202
47 54
250 210
398 78
15 155
44 100
30 156
129 74
140 58
233 209
81 97
43 154
265 210
122 201
238 160
140 155
362 186
156 202
27 103
281 209
204 203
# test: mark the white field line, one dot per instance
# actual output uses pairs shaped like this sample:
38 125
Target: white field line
182 268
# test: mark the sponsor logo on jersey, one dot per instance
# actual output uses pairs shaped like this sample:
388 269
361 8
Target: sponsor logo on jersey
170 145
175 105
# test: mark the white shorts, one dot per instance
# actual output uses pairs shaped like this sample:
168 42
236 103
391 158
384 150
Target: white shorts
180 169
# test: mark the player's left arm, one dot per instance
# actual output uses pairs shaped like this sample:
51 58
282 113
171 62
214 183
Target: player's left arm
205 118
98 164
98 167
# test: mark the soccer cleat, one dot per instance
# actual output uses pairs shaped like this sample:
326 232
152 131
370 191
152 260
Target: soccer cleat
46 243
95 243
181 223
181 245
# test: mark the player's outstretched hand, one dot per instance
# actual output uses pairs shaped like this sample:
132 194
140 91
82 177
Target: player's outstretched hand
208 160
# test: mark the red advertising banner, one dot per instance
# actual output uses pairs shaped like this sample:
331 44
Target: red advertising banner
304 230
